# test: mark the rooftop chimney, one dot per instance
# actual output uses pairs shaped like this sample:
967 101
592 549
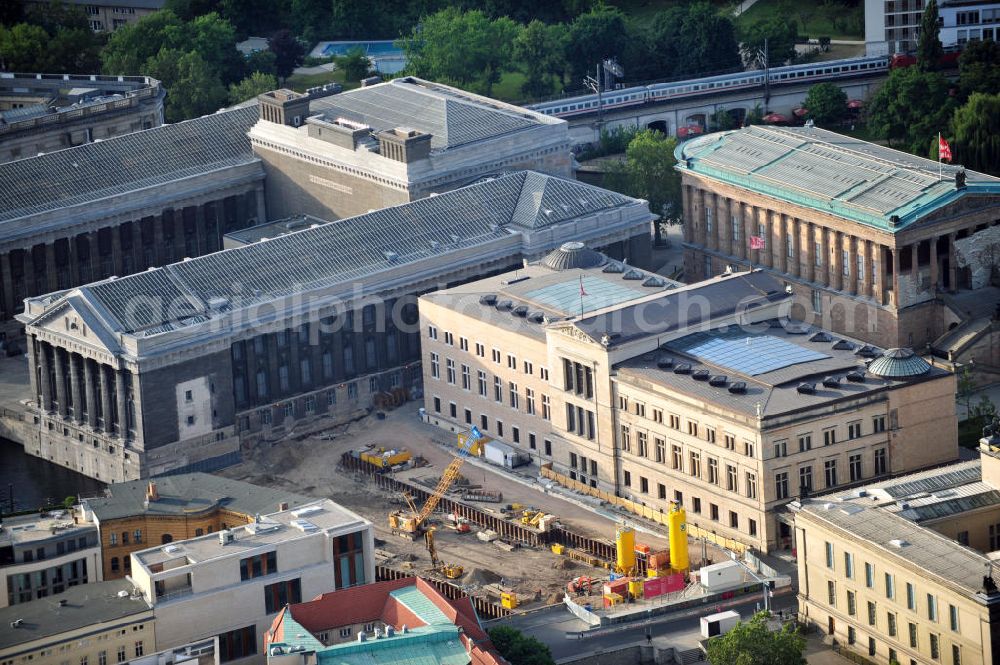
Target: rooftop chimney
151 493
404 145
283 107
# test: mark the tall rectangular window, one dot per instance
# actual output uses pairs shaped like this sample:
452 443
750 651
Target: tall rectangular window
852 607
237 644
932 607
830 471
279 594
466 377
953 617
871 613
781 485
890 618
869 575
258 565
349 560
829 555
831 593
911 597
849 565
435 366
890 586
481 381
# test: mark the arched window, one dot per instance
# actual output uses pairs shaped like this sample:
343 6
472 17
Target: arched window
198 532
166 538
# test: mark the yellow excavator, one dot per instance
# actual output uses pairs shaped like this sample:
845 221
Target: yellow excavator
414 524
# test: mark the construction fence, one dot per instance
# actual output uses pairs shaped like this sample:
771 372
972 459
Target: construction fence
654 515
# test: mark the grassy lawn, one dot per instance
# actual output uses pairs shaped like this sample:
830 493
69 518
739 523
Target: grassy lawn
300 82
816 18
508 89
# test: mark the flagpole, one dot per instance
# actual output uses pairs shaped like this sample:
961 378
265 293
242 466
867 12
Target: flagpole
940 168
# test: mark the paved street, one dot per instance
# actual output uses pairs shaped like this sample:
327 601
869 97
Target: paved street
551 625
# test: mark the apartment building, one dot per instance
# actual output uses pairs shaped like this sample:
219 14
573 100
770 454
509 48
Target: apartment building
231 584
134 515
962 21
703 394
108 17
43 555
386 622
874 243
92 624
905 570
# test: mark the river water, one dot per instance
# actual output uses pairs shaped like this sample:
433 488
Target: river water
34 482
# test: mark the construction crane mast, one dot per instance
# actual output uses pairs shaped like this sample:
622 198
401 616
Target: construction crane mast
412 525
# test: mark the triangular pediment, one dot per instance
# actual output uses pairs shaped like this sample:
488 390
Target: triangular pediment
72 318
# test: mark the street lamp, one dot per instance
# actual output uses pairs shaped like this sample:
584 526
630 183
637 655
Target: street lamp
763 583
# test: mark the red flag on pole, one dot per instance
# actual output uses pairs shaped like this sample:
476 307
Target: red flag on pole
756 242
582 292
944 150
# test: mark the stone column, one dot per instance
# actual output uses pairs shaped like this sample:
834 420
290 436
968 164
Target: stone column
57 361
117 264
807 253
7 275
137 255
95 256
158 253
74 387
869 282
711 234
89 393
783 259
50 266
200 232
952 268
261 205
895 276
30 287
699 231
102 376
915 266
33 376
934 263
120 396
770 240
73 258
689 212
723 224
45 377
852 257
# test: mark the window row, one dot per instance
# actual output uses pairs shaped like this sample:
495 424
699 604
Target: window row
527 366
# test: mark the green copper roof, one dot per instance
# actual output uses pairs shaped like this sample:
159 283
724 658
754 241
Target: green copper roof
830 172
415 601
426 645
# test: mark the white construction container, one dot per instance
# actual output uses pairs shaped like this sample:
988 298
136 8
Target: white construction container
503 455
721 576
714 625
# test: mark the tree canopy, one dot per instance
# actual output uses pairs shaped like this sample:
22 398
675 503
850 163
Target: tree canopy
288 52
648 173
752 643
827 103
539 52
593 37
910 108
466 48
355 64
929 49
520 649
977 67
779 34
976 128
253 85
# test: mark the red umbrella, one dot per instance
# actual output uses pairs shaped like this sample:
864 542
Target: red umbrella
801 111
775 118
855 104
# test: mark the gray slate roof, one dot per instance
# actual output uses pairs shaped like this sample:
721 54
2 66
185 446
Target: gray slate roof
86 604
452 118
187 493
345 250
830 172
125 163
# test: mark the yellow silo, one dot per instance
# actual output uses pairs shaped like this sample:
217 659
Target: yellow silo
625 549
677 534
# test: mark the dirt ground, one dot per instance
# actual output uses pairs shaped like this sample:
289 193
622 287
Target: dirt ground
309 465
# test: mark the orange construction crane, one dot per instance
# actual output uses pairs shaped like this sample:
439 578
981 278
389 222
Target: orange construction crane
412 525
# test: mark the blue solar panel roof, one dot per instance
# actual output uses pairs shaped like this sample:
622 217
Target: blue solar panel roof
600 293
745 353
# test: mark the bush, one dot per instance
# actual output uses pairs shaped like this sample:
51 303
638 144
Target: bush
611 142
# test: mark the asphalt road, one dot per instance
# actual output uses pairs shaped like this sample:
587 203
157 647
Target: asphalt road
684 631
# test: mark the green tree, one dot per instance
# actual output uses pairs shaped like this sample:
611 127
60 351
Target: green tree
539 52
251 86
188 10
288 52
520 649
254 17
196 91
929 49
721 120
826 102
311 19
780 35
977 133
355 64
755 116
707 42
751 643
11 12
466 48
648 173
22 47
910 108
595 36
966 388
130 46
214 39
264 62
69 502
977 67
52 16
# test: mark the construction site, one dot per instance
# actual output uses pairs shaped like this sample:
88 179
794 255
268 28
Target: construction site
504 536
